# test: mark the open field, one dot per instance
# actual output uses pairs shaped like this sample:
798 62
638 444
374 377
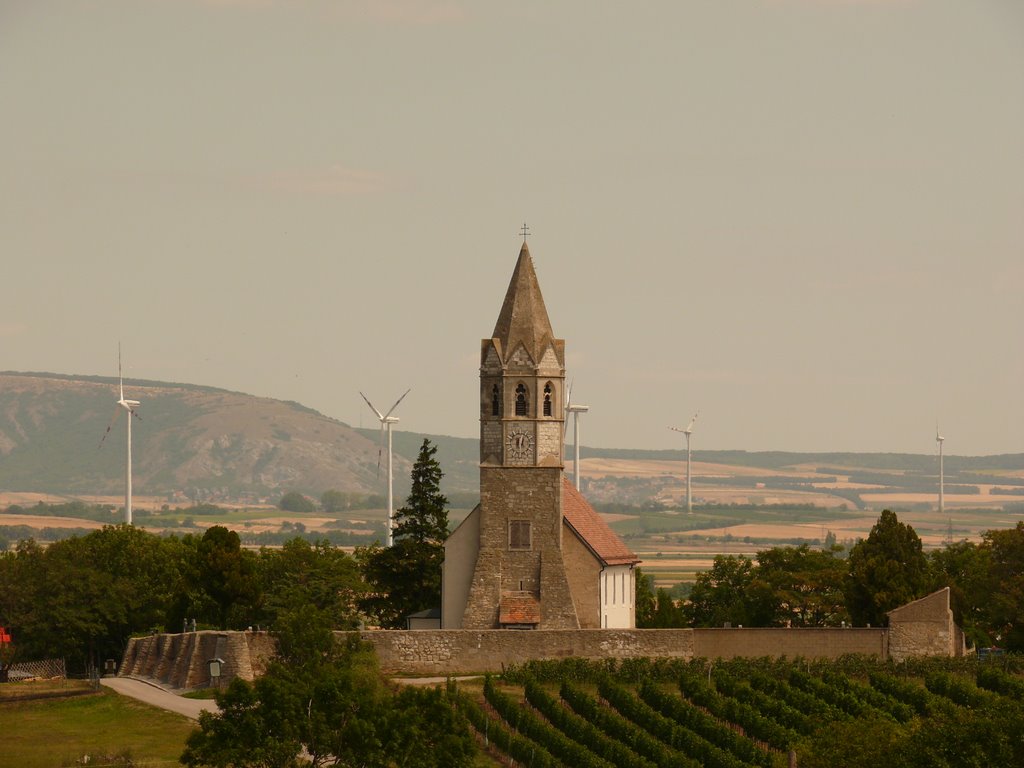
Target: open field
48 521
44 734
824 484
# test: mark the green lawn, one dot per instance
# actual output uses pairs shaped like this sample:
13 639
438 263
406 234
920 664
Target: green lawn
47 734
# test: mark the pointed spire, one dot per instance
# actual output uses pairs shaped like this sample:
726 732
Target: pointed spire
523 317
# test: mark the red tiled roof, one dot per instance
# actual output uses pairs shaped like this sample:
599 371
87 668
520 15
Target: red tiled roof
519 608
593 530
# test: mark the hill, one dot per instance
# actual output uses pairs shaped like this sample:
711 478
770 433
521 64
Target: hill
190 438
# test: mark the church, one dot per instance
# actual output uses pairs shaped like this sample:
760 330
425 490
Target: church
533 554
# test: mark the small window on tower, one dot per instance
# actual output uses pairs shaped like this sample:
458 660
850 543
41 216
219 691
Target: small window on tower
547 399
519 534
521 400
496 401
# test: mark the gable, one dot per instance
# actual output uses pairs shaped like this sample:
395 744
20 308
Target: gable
549 362
521 359
592 530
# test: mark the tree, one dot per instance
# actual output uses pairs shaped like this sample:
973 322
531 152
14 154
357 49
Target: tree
1005 582
293 501
226 572
406 577
964 568
319 575
728 593
805 586
885 571
644 600
335 501
667 614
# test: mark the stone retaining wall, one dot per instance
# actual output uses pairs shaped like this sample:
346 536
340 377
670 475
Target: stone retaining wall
182 660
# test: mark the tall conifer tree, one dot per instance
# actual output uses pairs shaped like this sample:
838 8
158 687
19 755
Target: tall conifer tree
406 577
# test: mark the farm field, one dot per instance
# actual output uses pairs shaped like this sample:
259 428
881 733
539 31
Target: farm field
644 713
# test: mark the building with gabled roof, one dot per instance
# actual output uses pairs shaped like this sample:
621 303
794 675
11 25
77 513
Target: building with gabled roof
533 554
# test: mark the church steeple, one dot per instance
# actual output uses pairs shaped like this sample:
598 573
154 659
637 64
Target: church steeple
522 377
524 318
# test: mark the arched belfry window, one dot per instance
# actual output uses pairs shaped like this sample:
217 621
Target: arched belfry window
547 399
496 401
522 400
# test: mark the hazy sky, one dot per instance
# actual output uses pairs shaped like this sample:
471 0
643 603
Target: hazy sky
803 217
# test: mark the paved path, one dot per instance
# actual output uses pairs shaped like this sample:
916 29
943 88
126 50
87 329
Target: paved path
150 693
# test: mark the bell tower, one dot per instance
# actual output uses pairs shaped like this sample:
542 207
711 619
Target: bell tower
519 579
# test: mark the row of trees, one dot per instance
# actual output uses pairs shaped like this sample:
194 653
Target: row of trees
83 597
332 502
804 587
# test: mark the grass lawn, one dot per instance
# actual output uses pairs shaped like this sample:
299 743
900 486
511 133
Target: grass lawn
47 734
29 688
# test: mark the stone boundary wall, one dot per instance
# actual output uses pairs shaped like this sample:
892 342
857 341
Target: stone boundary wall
463 651
922 628
468 651
811 643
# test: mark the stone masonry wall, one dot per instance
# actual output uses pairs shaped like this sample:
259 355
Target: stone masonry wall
462 651
815 643
925 627
532 494
459 652
182 660
584 575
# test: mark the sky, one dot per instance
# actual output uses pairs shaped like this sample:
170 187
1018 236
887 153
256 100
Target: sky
803 218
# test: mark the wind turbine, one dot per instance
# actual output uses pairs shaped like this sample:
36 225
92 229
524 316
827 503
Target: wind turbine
942 479
575 410
129 406
688 431
386 420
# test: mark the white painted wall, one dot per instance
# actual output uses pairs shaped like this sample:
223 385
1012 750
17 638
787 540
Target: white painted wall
618 592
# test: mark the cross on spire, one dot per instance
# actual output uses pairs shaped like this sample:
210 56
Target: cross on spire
525 232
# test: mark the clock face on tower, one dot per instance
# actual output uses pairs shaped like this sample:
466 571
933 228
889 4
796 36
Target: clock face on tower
519 443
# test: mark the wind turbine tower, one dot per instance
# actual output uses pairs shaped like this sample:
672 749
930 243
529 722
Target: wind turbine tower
386 420
129 406
576 410
942 478
688 431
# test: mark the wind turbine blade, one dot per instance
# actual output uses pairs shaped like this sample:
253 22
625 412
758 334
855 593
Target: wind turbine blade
109 427
120 381
379 414
693 421
396 403
568 405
